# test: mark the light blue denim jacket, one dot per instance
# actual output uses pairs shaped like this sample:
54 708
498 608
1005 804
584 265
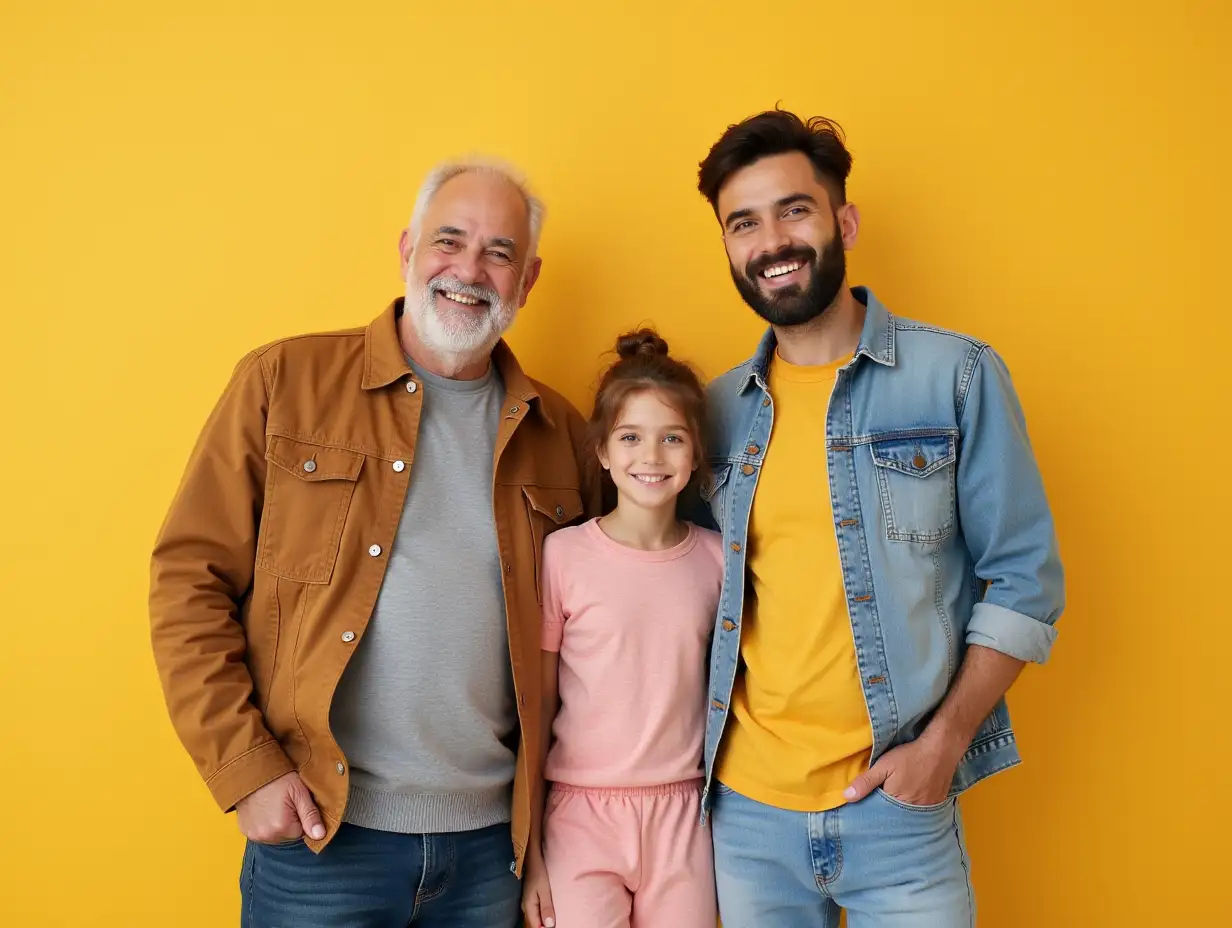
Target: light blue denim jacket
944 534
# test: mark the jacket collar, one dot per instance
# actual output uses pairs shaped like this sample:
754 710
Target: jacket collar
876 340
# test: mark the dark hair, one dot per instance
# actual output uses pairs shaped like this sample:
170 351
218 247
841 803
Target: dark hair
777 132
644 364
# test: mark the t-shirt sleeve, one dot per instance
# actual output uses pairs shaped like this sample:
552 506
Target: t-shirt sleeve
713 542
550 593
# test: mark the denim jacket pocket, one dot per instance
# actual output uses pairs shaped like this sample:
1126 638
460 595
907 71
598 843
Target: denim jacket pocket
714 489
308 492
916 480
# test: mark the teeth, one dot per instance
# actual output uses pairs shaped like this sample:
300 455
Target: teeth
650 478
459 298
780 269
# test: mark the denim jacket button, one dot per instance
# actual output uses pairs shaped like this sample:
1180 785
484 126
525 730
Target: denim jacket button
753 449
919 462
748 469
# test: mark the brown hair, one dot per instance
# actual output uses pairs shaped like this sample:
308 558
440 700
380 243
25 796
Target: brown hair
777 132
644 364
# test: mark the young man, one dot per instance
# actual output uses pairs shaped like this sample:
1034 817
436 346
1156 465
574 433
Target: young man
891 565
344 605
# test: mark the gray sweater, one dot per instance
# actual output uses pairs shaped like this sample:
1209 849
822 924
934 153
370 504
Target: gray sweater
425 711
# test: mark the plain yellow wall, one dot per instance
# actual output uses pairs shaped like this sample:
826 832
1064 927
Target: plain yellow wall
179 183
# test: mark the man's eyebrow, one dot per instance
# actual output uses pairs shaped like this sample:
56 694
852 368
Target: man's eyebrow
778 204
795 198
503 243
737 214
450 230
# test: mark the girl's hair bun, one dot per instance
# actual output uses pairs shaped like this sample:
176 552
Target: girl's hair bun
643 341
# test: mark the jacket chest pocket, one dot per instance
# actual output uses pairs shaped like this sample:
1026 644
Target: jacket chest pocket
308 492
714 488
548 509
915 480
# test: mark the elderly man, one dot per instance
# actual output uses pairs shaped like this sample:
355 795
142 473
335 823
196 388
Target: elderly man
344 593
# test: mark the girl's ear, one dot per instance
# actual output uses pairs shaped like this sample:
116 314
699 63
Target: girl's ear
601 454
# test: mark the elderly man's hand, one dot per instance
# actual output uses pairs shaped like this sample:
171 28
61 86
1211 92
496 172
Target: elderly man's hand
281 810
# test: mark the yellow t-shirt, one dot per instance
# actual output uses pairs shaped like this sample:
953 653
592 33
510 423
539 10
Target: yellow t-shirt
799 731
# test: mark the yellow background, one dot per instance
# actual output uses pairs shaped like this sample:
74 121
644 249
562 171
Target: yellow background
179 183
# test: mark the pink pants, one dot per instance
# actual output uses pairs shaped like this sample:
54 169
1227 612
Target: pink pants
629 858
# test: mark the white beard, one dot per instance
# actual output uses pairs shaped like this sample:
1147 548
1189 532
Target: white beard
458 336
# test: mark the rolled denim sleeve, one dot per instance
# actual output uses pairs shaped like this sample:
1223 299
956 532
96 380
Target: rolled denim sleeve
1005 520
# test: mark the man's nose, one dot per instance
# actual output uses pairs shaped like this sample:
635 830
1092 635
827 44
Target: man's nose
775 237
465 266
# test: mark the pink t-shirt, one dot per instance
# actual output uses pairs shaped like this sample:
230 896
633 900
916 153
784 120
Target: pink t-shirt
633 629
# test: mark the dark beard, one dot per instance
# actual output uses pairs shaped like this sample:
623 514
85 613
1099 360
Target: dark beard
795 305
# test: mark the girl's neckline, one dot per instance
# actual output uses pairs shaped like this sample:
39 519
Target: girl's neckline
596 532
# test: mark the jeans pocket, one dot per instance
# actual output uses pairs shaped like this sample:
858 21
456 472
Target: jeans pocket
246 880
911 807
246 868
286 845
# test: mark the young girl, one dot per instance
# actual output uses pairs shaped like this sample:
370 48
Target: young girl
629 602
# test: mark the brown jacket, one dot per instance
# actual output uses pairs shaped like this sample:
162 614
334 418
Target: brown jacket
267 568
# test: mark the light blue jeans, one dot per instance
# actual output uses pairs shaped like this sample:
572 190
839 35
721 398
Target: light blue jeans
889 865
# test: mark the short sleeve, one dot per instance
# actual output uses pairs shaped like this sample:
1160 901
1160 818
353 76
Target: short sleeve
712 541
550 594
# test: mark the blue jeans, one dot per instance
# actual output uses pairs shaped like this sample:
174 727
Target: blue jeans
379 879
887 864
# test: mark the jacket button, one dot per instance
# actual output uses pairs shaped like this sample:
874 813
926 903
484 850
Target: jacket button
735 546
375 550
748 469
560 512
508 567
728 625
766 401
399 466
310 466
753 449
341 768
919 462
514 409
411 386
348 637
716 704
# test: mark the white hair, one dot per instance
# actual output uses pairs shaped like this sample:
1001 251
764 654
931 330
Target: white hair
445 172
